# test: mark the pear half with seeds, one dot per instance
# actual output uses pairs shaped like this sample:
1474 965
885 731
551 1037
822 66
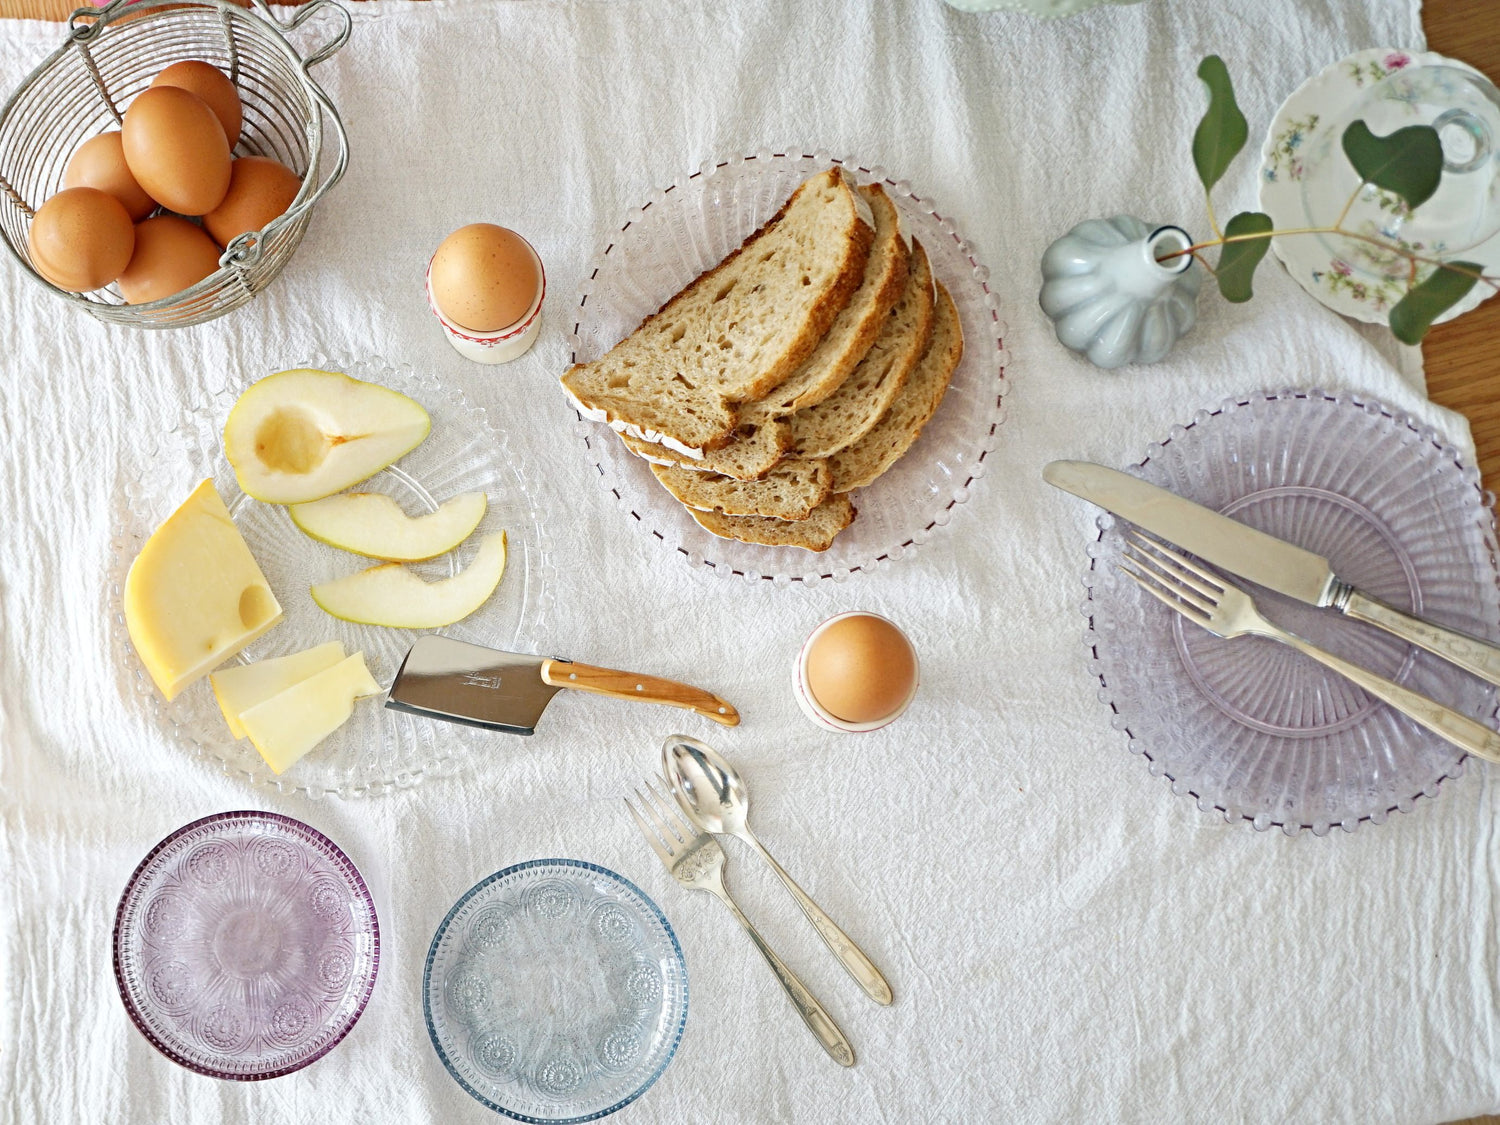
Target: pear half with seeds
392 595
302 435
373 524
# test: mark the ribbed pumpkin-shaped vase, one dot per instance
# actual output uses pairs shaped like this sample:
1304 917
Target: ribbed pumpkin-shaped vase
1110 295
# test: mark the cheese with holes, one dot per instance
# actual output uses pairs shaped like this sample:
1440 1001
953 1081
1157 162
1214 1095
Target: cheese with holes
194 595
286 726
244 686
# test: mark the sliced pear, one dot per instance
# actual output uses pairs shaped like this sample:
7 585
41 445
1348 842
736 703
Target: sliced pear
286 726
392 595
371 523
302 435
194 595
245 685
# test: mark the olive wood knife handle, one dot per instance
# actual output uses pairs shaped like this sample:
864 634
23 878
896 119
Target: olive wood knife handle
1469 653
633 685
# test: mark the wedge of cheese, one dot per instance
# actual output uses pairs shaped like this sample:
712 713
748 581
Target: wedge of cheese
194 595
286 726
243 686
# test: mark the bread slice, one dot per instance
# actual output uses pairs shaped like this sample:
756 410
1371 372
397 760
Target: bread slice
738 330
789 492
853 410
816 533
860 463
755 450
855 329
762 437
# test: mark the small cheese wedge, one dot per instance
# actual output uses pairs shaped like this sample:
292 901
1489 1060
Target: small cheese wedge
194 595
286 726
392 595
244 686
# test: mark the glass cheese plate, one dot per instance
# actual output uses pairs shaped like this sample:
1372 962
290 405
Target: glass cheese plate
377 749
684 230
246 946
555 991
1248 726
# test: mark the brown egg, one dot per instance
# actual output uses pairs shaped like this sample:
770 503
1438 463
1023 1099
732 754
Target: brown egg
176 150
260 189
81 239
170 254
100 163
861 668
210 84
484 278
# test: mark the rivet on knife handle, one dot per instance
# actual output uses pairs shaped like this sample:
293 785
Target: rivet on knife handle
1469 653
633 685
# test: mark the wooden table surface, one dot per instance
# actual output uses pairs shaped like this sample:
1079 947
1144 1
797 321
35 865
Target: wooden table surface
1460 373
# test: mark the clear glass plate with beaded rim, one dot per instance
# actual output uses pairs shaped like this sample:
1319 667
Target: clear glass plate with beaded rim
1248 727
685 229
377 750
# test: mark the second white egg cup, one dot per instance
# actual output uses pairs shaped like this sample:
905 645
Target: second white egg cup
504 345
820 714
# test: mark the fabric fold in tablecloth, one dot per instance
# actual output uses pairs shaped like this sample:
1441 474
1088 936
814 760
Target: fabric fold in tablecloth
1066 938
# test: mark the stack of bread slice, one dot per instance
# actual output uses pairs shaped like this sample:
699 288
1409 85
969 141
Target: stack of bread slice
796 371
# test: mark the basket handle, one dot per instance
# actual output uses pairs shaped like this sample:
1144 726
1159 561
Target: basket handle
305 13
246 249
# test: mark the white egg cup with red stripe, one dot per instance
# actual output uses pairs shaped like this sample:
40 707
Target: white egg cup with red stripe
820 714
505 344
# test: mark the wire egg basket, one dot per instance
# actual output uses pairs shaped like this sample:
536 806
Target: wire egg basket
111 55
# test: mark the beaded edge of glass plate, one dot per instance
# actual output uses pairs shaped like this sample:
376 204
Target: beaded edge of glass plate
340 860
951 494
1469 475
496 877
213 406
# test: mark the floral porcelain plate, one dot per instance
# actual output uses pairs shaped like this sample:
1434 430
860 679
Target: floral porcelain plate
246 945
686 229
555 991
1250 727
1294 133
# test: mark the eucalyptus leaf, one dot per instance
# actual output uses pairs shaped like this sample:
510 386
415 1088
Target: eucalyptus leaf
1413 315
1237 261
1408 162
1222 132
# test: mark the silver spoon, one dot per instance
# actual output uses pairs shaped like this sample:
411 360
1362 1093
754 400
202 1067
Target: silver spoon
712 794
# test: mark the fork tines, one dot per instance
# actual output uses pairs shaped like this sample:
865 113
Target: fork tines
665 829
1170 577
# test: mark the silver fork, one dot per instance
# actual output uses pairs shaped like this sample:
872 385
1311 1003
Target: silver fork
696 860
1212 601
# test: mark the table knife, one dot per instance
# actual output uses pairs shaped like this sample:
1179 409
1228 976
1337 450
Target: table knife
1263 559
508 691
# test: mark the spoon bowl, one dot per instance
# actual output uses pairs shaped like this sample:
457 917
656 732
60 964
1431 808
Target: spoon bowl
707 787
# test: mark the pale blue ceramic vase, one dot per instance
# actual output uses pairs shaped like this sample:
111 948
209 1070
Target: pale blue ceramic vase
1109 296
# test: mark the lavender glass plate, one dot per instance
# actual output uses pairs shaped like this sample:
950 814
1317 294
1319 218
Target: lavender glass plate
685 229
555 991
245 945
1248 726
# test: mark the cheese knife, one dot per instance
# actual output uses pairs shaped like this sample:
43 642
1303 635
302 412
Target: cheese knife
507 691
1263 559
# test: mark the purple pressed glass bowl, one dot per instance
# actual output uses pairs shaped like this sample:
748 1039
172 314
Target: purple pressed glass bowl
1252 728
245 945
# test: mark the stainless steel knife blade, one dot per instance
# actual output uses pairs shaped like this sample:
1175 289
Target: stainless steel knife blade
1216 539
1264 559
470 684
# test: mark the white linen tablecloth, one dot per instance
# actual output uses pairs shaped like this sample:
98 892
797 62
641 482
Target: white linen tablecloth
1066 939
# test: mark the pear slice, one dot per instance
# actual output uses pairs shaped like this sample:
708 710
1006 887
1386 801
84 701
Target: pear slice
392 595
286 726
371 523
302 435
242 686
